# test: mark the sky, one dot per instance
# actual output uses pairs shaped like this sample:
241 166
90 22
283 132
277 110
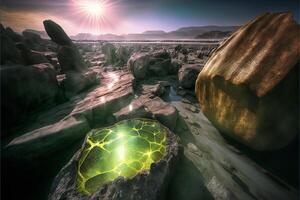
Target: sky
135 16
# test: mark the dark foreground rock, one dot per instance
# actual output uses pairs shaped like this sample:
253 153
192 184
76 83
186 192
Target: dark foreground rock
25 89
9 52
31 57
73 119
147 184
251 94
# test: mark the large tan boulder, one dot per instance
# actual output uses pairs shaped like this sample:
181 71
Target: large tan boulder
249 86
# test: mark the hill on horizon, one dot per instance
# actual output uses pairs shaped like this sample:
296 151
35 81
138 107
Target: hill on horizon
191 32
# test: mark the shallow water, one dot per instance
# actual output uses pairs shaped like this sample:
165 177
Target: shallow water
172 95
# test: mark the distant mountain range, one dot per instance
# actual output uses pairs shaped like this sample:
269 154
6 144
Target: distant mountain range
207 32
214 34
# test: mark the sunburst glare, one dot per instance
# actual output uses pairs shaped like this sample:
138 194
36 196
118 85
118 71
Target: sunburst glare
94 13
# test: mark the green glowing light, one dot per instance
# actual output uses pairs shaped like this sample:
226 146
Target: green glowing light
124 149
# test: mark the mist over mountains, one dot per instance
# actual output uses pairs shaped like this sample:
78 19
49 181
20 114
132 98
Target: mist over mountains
193 32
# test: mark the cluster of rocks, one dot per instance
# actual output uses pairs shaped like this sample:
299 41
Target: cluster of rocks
26 49
28 79
237 92
32 80
116 56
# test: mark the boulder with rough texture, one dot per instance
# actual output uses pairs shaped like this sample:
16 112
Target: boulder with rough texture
249 86
157 63
25 89
149 183
138 65
188 74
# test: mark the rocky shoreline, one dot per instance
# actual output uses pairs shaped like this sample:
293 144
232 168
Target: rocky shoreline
69 88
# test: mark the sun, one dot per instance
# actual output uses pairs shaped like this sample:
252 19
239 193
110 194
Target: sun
94 15
92 8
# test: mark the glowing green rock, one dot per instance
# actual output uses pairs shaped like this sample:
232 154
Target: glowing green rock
124 149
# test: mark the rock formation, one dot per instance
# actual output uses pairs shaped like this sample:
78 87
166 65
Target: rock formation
68 55
71 62
249 86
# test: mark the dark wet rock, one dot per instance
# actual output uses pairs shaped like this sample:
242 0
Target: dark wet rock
248 94
70 59
9 52
149 184
156 63
13 35
188 74
56 33
25 89
31 57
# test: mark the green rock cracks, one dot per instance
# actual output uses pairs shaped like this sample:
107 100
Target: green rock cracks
124 149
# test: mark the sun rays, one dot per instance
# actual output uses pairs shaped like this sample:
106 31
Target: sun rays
94 14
